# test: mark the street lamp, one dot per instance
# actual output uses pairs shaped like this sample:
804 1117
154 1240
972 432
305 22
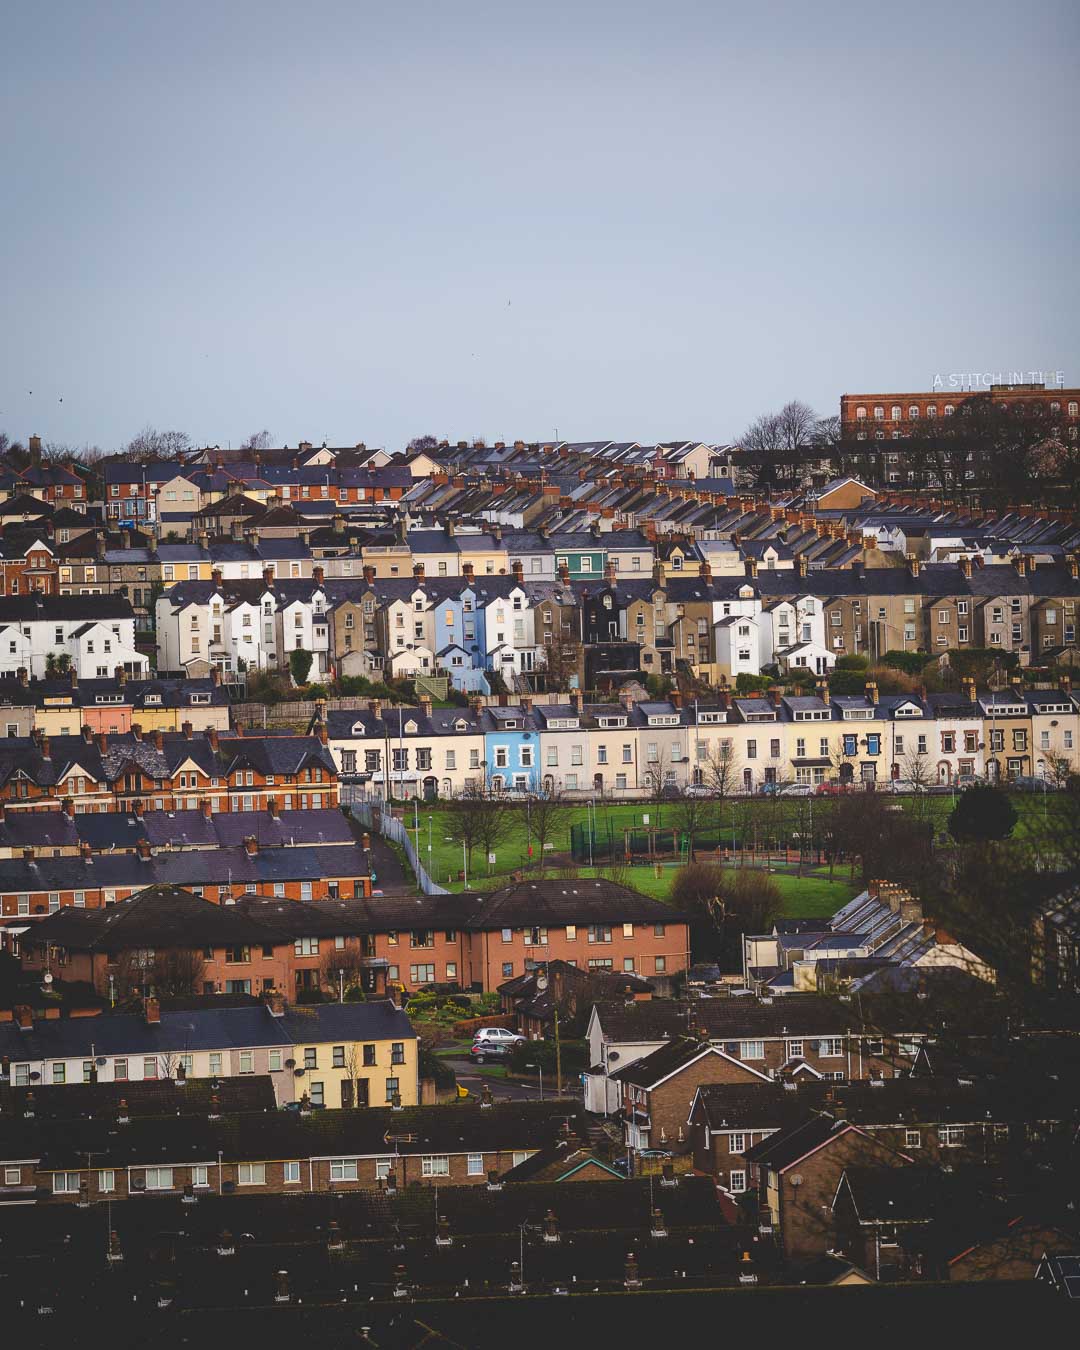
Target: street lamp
341 986
539 1069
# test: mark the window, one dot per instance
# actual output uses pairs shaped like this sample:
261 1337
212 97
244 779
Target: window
337 1060
311 1057
752 1050
737 1142
65 1183
435 1167
660 964
215 1063
795 1049
475 1165
247 1061
200 1176
737 1183
12 1176
507 969
59 1073
159 1178
316 1094
913 1139
393 1085
306 946
252 1174
342 1169
951 1136
369 1056
831 1046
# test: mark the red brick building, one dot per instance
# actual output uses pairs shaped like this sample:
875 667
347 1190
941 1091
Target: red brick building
893 416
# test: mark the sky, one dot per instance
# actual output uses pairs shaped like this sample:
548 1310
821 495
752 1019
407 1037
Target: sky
638 221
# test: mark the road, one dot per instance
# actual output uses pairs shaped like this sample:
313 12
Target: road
510 1089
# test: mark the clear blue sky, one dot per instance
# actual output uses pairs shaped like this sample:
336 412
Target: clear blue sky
360 221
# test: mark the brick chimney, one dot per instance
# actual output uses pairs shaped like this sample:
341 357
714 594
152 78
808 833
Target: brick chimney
425 705
68 806
775 695
143 848
275 1002
871 691
823 691
102 742
272 808
23 1017
369 574
212 737
159 740
186 728
86 853
215 677
322 733
251 845
912 564
318 575
151 1011
207 811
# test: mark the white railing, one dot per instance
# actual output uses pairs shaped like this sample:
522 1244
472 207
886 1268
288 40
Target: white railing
372 818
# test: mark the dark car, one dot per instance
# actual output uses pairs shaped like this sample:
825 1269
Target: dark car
485 1050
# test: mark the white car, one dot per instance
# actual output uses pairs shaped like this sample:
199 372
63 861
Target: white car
496 1036
795 790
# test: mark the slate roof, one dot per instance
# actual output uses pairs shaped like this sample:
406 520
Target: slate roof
652 1069
193 867
795 1015
197 1029
148 1097
578 901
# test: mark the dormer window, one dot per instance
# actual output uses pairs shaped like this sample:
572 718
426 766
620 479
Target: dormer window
410 728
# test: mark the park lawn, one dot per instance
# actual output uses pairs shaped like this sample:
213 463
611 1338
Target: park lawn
804 897
752 819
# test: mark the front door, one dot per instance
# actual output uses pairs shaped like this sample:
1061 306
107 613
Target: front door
346 1093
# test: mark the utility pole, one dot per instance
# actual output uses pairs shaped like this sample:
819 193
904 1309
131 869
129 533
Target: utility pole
558 1057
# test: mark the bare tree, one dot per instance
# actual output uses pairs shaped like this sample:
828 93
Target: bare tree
424 443
692 814
258 440
343 965
796 425
153 444
547 816
495 821
178 972
463 818
655 778
561 659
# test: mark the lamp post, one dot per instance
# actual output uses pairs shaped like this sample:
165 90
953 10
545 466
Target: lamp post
429 845
539 1069
341 986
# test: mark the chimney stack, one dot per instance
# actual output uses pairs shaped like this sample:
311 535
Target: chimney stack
151 1011
251 845
143 848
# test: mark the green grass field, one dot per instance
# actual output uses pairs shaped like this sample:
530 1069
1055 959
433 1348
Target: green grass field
758 823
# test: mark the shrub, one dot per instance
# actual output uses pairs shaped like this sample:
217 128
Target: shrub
982 814
853 661
300 665
911 663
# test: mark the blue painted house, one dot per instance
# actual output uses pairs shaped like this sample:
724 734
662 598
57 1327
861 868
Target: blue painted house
511 749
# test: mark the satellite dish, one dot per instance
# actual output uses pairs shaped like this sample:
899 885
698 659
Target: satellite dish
796 1179
47 977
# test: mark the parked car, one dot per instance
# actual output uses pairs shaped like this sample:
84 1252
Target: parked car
480 1051
795 790
697 790
1026 783
834 789
496 1036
